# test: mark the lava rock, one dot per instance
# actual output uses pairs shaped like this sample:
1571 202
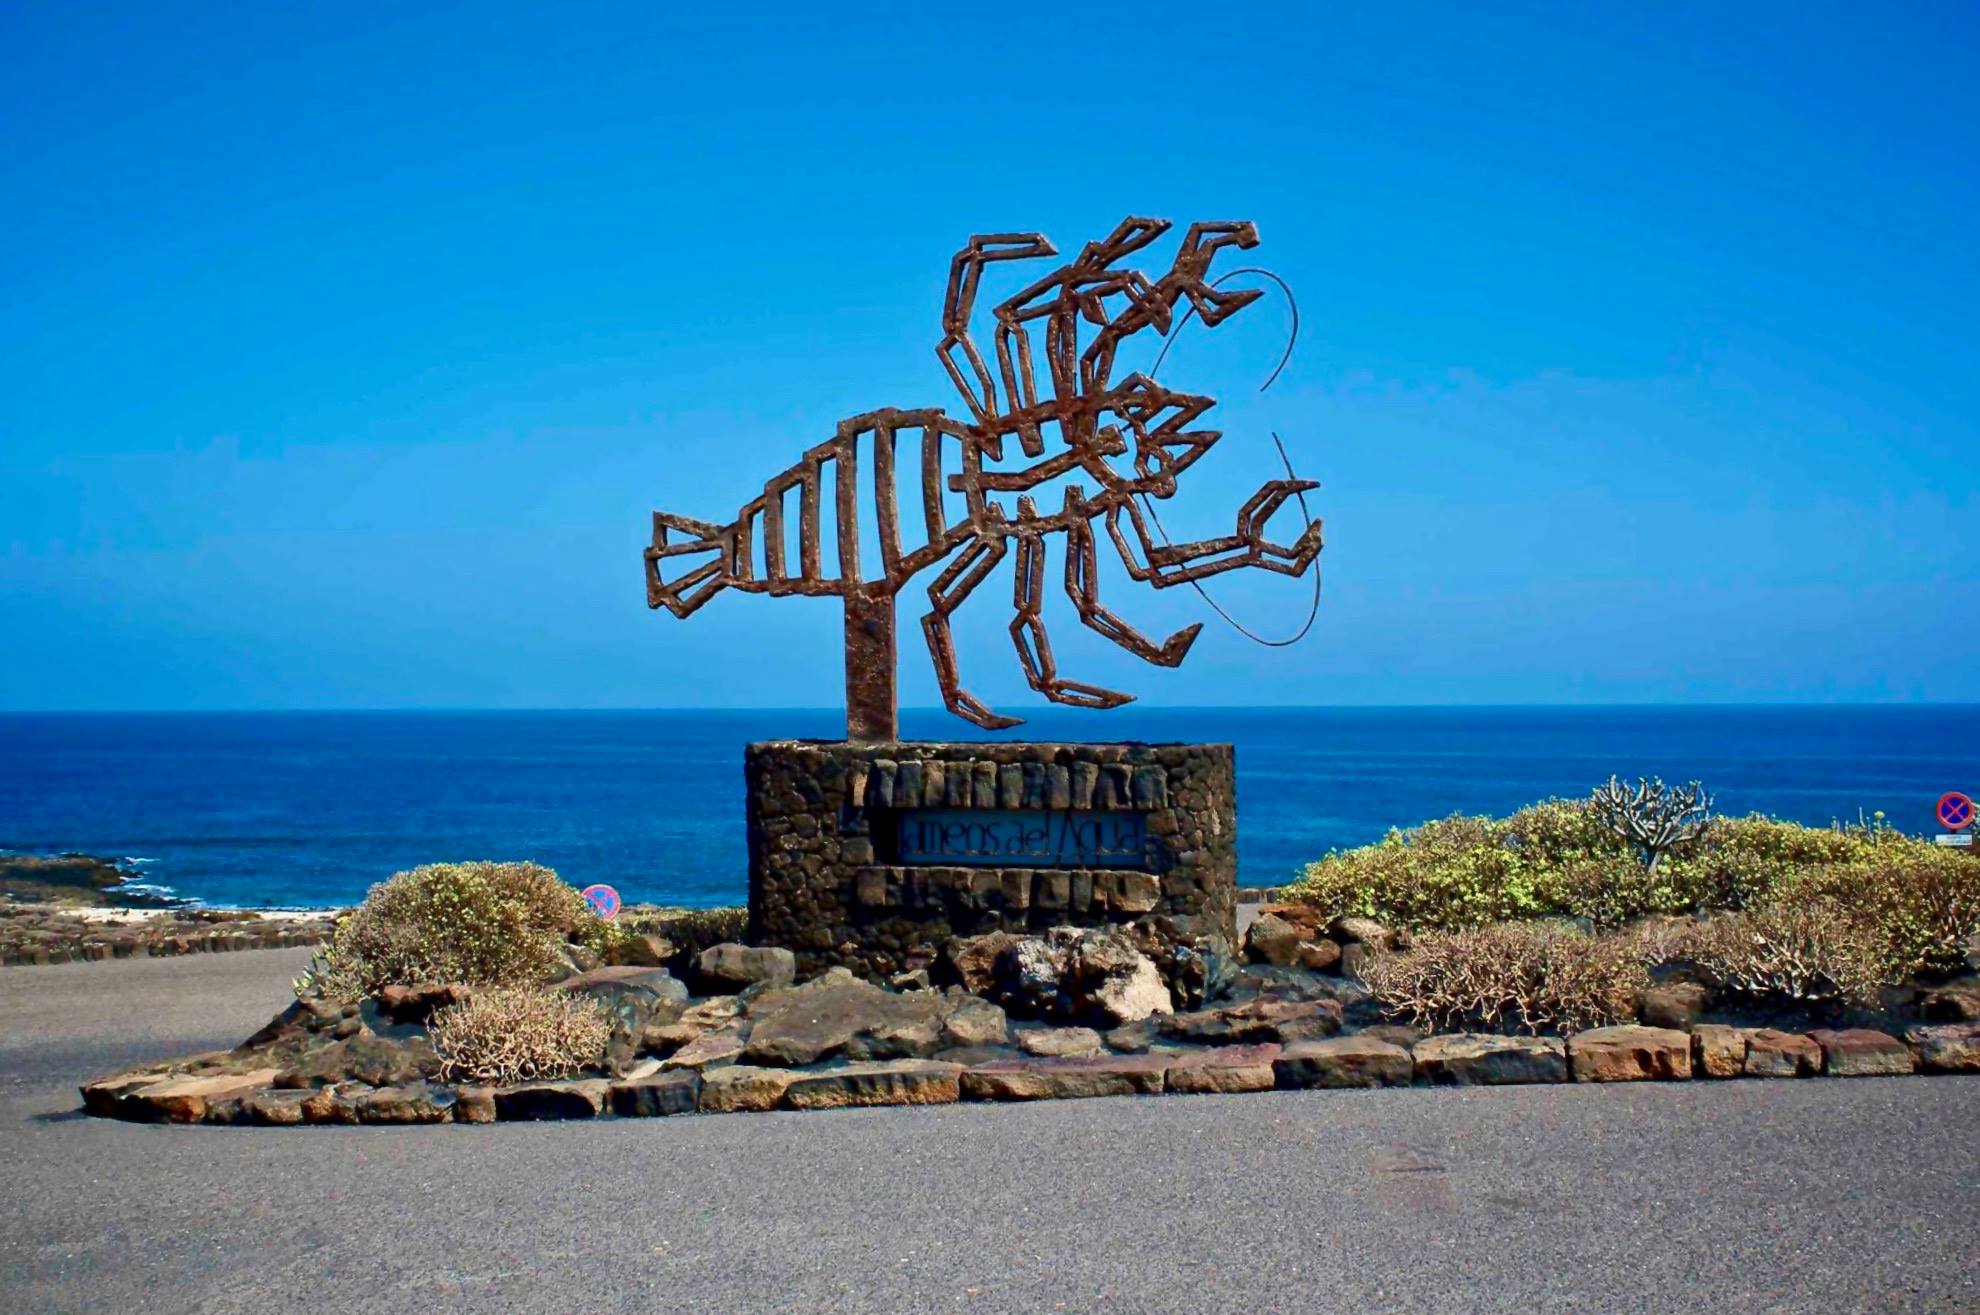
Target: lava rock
838 1013
1286 984
1676 1005
1057 1042
1476 1059
1775 1054
372 1060
974 1022
1629 1054
1029 979
414 1003
1197 967
1226 1069
474 1105
899 1082
632 999
729 967
1065 1079
290 1029
421 1102
657 1095
1111 982
104 1097
1291 936
1718 1051
710 1050
184 1099
1347 1061
1860 1052
1253 1021
533 1101
1957 1003
971 961
334 1104
276 1109
1364 931
1947 1048
744 1087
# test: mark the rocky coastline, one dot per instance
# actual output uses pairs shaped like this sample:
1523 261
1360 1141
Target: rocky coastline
79 908
76 881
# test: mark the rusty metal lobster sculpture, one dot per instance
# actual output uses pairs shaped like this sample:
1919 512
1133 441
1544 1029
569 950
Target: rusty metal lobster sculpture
1083 424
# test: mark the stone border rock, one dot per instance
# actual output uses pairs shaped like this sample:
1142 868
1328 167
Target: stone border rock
1376 1058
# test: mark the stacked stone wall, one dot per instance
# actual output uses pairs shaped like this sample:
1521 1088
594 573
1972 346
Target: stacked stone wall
824 882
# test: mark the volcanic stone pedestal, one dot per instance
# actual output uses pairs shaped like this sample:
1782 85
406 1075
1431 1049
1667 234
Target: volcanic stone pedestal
842 869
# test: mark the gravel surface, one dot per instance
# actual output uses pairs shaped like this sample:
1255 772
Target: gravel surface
1746 1196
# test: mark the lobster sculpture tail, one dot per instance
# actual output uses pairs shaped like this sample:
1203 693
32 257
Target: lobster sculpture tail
688 591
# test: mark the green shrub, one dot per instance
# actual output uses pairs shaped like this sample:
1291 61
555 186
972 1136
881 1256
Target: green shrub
1557 859
1919 904
1455 873
1558 832
1548 858
478 923
1609 890
1516 977
519 1034
1742 859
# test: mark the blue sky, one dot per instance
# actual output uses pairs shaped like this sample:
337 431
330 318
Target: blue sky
347 349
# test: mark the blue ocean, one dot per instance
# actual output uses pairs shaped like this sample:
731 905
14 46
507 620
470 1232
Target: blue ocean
309 809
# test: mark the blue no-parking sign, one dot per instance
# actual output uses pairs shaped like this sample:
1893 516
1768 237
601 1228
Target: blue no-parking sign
604 901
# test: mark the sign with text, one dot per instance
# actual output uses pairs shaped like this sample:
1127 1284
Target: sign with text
1009 837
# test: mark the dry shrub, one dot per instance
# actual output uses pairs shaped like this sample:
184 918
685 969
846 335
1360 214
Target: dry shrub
479 923
1517 977
519 1034
1840 931
1791 950
1662 940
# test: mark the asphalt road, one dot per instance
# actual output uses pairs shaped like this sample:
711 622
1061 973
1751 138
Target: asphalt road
1764 1197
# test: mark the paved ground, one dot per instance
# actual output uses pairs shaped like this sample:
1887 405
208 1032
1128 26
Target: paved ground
1763 1197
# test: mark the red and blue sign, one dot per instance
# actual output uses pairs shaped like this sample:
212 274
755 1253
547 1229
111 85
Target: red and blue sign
604 901
1955 811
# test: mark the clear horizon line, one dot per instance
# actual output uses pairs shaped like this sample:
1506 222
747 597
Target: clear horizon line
936 709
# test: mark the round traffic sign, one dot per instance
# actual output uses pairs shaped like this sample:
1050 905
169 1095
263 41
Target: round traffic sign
604 901
1955 811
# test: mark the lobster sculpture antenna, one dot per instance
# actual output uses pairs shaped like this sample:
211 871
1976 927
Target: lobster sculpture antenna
1082 423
